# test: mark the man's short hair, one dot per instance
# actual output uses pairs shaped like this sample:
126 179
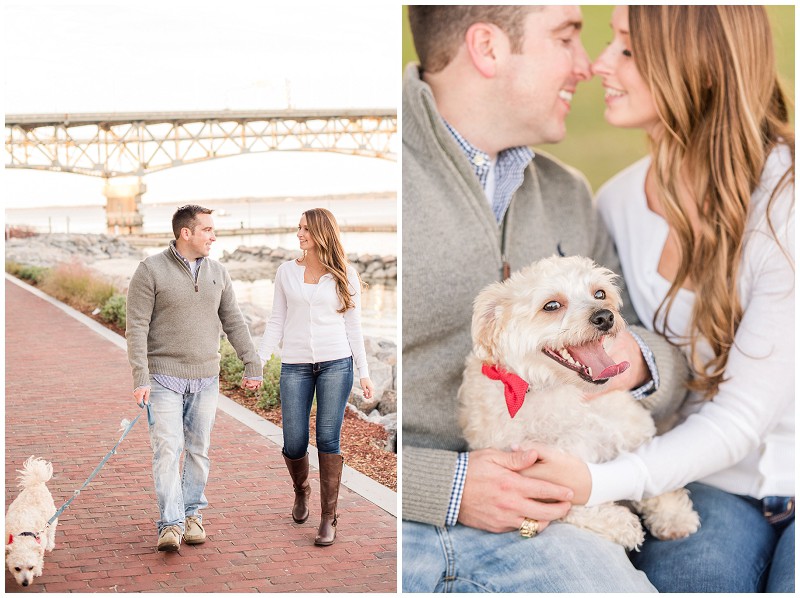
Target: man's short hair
439 31
186 217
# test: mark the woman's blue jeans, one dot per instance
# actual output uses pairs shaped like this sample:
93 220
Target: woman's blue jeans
735 550
332 382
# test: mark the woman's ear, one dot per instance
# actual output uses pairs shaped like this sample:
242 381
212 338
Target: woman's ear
482 41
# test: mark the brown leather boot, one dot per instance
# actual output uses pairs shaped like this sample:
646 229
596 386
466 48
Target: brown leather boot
298 469
330 476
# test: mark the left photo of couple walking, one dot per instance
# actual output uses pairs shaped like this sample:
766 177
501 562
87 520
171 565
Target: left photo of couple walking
201 362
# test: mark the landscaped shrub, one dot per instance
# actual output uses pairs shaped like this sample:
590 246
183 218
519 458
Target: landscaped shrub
78 286
231 370
114 310
231 367
33 274
270 392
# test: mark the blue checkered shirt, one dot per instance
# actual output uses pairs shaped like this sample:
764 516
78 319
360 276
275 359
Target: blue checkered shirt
509 170
509 173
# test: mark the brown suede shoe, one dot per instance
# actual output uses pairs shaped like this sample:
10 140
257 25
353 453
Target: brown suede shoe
169 540
195 533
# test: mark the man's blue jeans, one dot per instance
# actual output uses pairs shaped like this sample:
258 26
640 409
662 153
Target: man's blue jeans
735 550
332 382
183 422
563 558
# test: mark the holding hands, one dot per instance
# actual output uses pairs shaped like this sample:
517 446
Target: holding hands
498 497
249 384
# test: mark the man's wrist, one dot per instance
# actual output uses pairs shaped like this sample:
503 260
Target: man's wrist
460 476
651 385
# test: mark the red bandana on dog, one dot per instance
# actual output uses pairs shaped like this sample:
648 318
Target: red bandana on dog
515 386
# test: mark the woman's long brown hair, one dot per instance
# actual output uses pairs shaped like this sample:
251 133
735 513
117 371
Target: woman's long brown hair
711 71
324 231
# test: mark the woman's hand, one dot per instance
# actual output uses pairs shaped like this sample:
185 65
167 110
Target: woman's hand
562 469
498 496
367 387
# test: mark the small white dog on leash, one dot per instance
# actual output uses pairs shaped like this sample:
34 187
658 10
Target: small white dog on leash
27 533
538 350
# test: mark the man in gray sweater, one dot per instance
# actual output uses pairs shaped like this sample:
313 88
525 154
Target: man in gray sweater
478 204
179 302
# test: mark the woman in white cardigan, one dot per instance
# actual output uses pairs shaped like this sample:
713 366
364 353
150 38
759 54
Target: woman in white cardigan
316 318
704 227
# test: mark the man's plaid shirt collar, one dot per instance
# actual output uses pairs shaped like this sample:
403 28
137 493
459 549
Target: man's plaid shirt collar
509 170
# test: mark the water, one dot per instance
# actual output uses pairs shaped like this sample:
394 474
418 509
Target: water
379 302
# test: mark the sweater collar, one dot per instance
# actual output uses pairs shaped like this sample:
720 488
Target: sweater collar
174 249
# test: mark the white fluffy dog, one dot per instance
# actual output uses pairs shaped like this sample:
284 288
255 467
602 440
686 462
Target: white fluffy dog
26 519
546 326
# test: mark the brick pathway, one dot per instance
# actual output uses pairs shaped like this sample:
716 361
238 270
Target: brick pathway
67 390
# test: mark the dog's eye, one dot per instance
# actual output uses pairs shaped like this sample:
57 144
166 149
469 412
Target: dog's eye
17 569
601 294
551 306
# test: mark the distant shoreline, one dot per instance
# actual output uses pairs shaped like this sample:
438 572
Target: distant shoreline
232 200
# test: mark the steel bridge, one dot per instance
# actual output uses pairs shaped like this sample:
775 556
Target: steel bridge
111 145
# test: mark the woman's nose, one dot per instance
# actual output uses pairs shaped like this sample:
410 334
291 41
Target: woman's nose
583 66
601 65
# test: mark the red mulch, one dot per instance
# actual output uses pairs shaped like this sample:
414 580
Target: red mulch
363 443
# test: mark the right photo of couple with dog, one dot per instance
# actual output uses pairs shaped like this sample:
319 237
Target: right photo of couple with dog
597 389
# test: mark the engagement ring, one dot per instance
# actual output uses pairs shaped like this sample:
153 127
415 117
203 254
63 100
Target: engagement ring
529 528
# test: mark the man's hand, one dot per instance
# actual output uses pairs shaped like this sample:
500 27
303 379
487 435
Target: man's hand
142 394
497 497
557 467
625 348
248 384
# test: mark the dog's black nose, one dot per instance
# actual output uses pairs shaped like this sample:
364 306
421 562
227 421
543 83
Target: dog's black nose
25 583
602 319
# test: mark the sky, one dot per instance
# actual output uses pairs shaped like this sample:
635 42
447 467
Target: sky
119 56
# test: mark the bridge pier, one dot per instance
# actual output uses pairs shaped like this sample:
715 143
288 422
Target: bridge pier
123 203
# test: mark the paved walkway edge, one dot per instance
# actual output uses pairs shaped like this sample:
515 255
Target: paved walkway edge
356 481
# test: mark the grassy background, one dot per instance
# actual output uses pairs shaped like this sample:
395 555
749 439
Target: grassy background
592 145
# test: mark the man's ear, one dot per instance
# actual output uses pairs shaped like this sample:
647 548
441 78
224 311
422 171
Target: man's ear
482 45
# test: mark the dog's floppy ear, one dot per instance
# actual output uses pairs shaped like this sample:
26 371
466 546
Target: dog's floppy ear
485 321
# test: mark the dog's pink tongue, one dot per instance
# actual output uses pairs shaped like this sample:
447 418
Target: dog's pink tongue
594 356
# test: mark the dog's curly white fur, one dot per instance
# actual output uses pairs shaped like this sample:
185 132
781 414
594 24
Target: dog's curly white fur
28 514
548 324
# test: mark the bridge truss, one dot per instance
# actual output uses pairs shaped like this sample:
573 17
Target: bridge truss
113 145
135 144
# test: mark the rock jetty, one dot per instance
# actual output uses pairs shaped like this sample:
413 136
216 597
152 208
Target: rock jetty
52 249
262 262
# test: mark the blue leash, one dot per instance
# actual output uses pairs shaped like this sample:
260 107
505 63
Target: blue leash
150 420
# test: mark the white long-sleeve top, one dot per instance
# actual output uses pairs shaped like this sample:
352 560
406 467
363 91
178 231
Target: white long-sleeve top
743 440
305 320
